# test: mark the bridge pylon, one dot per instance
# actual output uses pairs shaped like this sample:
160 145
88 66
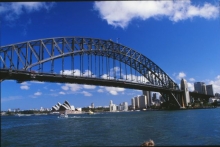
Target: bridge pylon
185 97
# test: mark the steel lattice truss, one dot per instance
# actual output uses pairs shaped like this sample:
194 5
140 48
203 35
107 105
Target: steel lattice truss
24 56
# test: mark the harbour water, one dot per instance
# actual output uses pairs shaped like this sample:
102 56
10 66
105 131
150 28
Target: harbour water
166 128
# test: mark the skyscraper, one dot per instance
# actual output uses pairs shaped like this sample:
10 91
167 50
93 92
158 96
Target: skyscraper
133 103
137 102
200 87
209 89
148 94
142 101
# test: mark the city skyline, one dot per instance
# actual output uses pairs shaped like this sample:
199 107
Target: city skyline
183 45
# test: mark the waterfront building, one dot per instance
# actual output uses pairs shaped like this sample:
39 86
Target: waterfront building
211 100
148 95
142 101
209 90
186 97
120 107
133 103
62 107
136 102
92 105
41 109
112 107
200 87
125 104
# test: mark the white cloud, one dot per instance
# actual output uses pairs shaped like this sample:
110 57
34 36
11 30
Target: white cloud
65 87
86 93
114 90
11 98
12 11
120 13
24 83
100 90
216 84
191 79
24 87
61 92
190 86
89 86
37 93
180 75
74 87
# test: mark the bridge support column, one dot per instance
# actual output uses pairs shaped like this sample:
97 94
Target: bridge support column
185 89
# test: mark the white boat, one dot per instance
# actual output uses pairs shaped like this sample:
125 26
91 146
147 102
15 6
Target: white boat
63 116
22 115
90 112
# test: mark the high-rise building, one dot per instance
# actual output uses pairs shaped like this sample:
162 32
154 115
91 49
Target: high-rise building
209 90
184 86
142 101
125 106
148 94
112 107
204 89
200 87
137 102
133 103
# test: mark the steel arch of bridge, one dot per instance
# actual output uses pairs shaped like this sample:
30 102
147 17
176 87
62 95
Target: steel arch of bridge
24 53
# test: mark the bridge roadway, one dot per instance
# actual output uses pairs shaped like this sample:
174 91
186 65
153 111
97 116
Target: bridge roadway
21 76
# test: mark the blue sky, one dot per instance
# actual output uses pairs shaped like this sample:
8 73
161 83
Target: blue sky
181 37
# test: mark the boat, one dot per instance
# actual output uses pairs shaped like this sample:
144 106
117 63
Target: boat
90 112
22 115
64 115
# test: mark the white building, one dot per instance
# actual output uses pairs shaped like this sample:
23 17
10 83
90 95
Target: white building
137 102
112 107
133 103
211 100
92 105
125 106
142 101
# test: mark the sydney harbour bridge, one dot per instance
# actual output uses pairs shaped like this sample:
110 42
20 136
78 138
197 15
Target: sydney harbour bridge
87 61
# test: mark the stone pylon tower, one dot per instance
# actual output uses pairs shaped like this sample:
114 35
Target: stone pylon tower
186 98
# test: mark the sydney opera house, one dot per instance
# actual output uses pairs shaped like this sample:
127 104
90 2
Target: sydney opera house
62 107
